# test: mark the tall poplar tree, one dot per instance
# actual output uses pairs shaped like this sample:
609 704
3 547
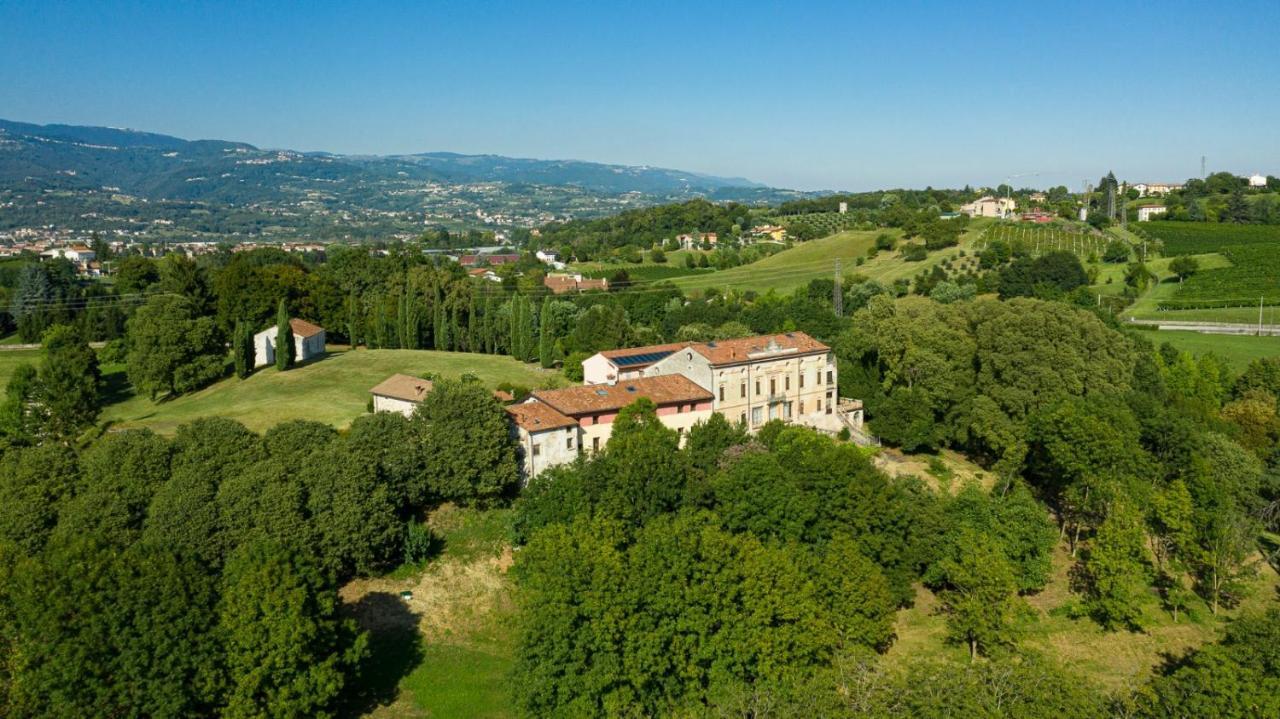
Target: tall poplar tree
546 338
353 320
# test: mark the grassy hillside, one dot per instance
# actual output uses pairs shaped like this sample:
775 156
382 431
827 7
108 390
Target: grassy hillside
334 389
1112 659
815 259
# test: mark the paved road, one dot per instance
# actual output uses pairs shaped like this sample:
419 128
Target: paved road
4 348
1211 328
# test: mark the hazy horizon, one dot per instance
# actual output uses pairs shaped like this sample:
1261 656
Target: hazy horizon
823 97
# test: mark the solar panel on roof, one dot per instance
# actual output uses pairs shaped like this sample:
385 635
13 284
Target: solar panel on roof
643 358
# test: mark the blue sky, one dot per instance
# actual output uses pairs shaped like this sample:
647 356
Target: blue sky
841 95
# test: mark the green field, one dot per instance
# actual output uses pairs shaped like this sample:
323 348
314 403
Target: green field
10 359
334 389
1191 238
1038 239
1148 306
815 259
1236 350
649 273
1254 273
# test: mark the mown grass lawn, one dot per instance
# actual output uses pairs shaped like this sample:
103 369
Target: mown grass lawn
1236 350
10 359
333 389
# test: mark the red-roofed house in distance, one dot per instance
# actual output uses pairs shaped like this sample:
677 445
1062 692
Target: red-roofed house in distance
491 260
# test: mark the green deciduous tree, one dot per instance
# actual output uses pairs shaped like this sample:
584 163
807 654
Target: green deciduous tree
287 647
33 484
105 632
119 475
68 383
980 595
1112 575
465 443
171 349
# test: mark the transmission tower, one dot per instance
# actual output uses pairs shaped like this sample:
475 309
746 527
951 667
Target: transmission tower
837 293
1202 175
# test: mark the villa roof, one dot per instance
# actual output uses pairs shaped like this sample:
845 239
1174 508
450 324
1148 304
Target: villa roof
537 417
734 351
404 387
585 399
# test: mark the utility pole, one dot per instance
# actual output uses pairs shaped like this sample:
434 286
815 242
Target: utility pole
837 292
1202 175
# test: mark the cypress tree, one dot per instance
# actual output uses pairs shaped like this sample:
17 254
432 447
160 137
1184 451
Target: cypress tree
546 342
353 320
473 327
445 339
284 339
242 350
437 320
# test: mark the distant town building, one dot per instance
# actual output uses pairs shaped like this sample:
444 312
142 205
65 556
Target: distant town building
1257 180
308 343
844 207
1037 216
777 233
1156 188
696 240
491 260
560 284
400 393
989 206
1146 213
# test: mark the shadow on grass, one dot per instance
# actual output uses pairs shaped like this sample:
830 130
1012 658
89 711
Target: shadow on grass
115 387
395 649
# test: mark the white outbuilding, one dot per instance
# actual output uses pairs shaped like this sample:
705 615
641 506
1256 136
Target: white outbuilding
400 393
308 343
1257 180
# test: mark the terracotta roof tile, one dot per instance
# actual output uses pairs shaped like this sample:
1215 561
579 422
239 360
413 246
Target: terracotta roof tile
303 328
663 390
741 350
403 386
538 417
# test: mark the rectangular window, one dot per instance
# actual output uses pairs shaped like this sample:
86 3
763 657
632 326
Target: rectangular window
537 449
801 406
819 404
756 415
757 388
568 442
802 379
595 444
828 376
786 382
721 393
773 386
786 410
743 391
743 417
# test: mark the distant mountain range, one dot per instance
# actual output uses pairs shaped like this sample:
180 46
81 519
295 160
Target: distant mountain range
160 167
